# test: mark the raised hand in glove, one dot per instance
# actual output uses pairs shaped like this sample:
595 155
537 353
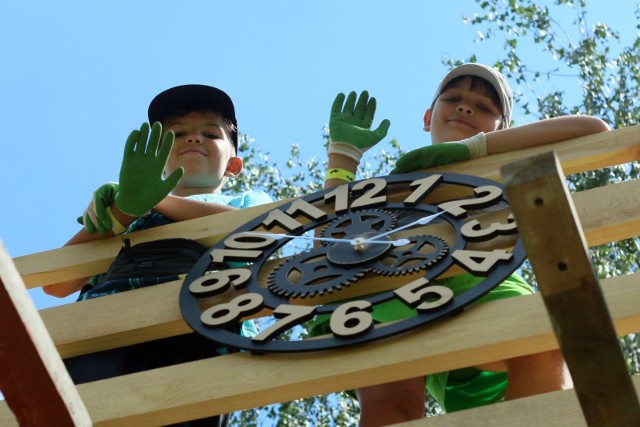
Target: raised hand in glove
442 154
95 217
141 182
350 125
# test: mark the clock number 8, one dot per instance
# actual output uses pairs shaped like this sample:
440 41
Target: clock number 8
221 314
352 318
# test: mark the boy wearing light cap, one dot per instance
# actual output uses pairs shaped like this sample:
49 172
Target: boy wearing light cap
468 118
171 171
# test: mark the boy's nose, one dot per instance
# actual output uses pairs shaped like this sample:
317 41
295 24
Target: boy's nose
194 139
464 109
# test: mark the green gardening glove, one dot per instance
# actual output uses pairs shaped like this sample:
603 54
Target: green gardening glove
432 156
141 183
350 125
95 217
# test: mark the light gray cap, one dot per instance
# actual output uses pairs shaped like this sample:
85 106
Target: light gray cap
489 74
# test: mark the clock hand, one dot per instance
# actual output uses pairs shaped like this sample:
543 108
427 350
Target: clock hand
354 242
422 221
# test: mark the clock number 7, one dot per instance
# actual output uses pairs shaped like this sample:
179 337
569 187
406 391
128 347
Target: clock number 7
288 316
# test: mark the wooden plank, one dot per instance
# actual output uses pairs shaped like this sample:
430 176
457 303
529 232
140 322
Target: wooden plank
243 380
477 336
33 378
601 225
557 250
559 408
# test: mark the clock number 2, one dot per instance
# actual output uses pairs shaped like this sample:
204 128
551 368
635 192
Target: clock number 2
487 195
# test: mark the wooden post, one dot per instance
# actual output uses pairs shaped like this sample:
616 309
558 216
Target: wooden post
555 243
33 378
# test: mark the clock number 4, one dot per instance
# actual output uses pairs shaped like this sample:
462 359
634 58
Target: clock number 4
480 262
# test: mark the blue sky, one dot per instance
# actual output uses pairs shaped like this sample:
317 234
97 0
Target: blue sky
78 76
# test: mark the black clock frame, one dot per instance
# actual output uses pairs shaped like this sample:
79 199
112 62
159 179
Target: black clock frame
228 335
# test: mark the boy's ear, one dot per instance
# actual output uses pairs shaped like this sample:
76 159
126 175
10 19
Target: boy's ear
234 167
427 120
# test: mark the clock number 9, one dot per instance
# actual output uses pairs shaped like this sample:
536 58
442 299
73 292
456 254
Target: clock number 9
232 311
218 282
352 318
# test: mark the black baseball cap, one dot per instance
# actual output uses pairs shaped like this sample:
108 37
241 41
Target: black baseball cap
188 98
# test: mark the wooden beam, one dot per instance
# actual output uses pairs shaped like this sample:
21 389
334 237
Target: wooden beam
601 225
557 250
33 378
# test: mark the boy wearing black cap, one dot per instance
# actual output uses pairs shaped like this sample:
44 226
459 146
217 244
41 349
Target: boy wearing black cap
176 179
468 118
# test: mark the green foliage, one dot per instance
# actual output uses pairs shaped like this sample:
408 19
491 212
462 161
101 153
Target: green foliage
606 84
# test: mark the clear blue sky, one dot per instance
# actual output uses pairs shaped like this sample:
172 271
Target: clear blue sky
78 76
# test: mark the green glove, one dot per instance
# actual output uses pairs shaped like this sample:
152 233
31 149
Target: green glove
141 183
432 156
95 217
350 125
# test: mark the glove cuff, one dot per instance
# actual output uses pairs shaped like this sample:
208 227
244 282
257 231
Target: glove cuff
116 227
477 145
345 149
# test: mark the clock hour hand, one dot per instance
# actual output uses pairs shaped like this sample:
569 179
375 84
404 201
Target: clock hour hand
354 242
422 221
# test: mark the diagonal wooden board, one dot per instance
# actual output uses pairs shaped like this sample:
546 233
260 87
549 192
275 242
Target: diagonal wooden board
553 238
33 379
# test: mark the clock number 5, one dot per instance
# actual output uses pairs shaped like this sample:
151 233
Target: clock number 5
423 297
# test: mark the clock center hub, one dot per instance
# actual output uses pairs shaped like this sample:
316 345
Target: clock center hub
358 250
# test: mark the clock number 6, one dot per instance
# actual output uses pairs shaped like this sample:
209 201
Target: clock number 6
352 318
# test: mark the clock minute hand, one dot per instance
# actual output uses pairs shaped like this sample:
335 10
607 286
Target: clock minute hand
354 242
422 221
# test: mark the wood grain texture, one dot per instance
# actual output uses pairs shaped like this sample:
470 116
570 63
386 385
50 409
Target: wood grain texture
557 249
33 379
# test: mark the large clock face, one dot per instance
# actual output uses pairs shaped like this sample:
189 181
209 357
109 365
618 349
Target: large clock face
340 253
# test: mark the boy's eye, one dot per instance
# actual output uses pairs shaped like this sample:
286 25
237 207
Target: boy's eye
179 133
211 136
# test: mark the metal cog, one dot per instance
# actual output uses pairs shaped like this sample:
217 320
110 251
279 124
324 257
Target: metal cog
311 273
412 257
356 223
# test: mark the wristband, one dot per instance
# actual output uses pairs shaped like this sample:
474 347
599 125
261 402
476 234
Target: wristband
116 227
342 174
348 150
477 145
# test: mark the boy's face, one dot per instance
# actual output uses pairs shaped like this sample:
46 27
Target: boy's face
203 149
461 113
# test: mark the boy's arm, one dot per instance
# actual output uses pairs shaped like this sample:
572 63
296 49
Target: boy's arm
181 209
500 141
543 132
